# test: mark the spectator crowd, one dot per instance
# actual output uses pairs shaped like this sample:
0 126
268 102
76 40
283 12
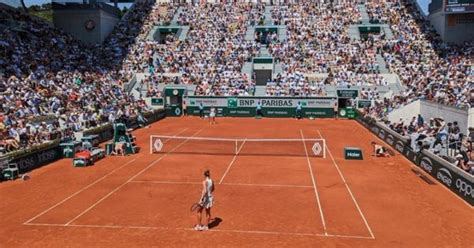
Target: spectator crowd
49 81
51 85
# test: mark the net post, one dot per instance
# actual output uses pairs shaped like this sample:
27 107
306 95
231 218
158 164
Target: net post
151 144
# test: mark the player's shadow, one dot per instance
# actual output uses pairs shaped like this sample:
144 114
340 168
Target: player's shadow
215 222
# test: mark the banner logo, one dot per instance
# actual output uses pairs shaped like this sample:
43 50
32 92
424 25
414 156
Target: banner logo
382 134
158 145
317 149
426 164
375 129
399 146
343 112
390 139
465 188
232 102
46 156
444 176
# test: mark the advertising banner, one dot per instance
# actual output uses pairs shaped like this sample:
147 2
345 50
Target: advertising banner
37 159
444 172
271 106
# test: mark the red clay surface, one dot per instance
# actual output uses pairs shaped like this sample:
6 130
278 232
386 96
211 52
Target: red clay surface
262 201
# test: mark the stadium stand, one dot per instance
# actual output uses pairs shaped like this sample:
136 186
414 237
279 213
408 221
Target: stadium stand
73 87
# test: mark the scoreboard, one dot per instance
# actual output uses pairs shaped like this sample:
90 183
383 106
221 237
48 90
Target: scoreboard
458 6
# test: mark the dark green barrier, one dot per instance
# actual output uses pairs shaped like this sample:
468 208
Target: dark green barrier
447 174
157 101
271 106
37 158
347 93
348 112
267 112
105 132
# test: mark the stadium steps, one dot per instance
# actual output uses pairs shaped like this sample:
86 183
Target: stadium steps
247 69
249 35
354 32
268 15
176 15
364 14
394 83
382 64
260 90
264 52
388 31
282 33
278 69
184 33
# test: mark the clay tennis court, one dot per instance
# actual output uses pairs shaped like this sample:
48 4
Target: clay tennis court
261 200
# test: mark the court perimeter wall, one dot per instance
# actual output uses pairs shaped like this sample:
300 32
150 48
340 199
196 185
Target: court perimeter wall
318 107
447 174
47 153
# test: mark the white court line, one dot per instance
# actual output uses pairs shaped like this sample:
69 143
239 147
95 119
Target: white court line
232 161
163 182
269 185
412 165
230 184
314 185
348 189
88 186
130 179
286 233
190 229
80 191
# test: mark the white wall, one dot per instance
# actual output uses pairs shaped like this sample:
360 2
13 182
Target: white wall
406 112
470 120
449 114
465 118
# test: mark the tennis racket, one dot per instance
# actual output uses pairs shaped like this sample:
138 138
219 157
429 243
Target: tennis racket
196 206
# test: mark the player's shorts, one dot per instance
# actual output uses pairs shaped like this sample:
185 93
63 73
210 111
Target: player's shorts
212 115
207 202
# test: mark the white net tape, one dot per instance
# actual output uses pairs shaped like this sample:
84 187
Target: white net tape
238 146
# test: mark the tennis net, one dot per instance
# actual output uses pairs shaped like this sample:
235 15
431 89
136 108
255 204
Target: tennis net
238 146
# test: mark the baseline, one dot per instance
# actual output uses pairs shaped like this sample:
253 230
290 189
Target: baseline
190 229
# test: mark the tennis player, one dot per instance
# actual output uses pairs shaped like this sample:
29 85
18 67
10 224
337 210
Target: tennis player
259 109
212 115
201 110
206 201
379 151
299 112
